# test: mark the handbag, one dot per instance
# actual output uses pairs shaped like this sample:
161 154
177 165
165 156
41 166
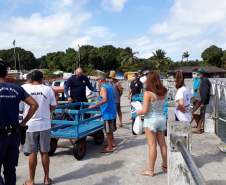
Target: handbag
138 126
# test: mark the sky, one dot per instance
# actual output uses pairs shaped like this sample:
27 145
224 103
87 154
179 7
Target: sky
176 26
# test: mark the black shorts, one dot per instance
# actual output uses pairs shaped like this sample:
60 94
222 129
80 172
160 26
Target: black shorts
110 126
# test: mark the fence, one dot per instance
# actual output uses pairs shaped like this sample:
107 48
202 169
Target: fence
218 107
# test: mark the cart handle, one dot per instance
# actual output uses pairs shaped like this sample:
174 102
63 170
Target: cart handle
64 122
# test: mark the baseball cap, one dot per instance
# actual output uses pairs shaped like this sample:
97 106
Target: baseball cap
101 76
201 71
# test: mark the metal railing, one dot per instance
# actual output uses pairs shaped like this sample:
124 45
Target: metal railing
196 174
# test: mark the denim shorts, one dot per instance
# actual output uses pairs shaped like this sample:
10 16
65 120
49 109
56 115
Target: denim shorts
155 123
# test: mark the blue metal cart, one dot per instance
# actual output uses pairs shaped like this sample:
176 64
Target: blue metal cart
74 121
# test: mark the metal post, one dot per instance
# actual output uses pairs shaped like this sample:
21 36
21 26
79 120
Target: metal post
19 61
14 53
79 56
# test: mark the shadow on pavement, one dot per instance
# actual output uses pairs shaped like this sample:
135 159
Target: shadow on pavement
113 180
88 170
208 158
130 143
215 182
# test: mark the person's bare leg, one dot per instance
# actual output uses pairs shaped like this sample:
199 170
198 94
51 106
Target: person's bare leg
113 140
45 164
200 126
32 167
197 119
109 141
163 147
152 149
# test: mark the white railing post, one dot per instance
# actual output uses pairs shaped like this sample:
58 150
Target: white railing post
178 172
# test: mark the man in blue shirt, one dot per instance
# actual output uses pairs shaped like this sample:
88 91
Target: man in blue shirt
204 93
77 84
10 97
196 83
108 110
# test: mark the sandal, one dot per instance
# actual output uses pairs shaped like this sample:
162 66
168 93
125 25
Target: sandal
113 146
50 181
164 169
148 172
106 150
26 183
197 131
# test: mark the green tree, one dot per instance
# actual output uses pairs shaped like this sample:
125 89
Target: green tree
223 59
70 60
108 55
159 54
84 54
160 61
24 59
213 55
185 55
55 60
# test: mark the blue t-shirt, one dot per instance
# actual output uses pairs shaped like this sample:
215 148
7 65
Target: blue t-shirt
196 85
10 97
109 108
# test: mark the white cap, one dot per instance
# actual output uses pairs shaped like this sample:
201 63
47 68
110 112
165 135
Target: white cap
143 79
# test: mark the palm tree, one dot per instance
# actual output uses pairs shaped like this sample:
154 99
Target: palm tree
159 54
161 61
129 58
185 55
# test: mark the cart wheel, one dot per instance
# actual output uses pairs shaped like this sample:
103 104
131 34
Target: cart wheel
53 146
133 120
79 149
99 137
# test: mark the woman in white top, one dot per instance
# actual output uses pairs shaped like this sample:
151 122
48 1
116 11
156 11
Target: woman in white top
182 99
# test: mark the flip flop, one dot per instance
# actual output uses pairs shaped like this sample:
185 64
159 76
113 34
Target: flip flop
164 169
197 131
50 181
26 183
113 146
149 173
106 151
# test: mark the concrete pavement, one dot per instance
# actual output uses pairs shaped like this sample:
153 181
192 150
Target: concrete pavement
123 167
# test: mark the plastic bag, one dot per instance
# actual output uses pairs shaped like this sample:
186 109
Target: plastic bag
138 125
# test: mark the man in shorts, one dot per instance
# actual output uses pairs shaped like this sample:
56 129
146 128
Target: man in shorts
118 93
108 109
39 134
204 92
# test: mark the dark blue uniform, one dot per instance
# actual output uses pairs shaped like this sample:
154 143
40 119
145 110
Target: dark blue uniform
10 97
77 86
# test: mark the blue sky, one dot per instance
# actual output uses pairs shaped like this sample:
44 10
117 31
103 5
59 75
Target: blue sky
145 25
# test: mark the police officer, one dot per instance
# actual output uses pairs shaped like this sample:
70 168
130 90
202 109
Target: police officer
77 84
10 97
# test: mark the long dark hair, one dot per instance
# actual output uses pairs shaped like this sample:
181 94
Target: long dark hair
179 79
155 85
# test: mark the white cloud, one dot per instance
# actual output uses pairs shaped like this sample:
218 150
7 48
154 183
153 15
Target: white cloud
114 5
191 25
64 27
